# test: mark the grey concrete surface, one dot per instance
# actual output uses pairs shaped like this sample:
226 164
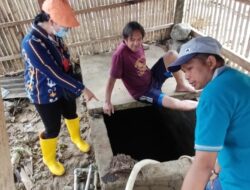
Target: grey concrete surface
95 70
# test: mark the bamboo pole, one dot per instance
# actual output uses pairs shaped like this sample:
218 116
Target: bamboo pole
236 30
232 24
248 48
241 38
246 40
216 19
225 21
206 16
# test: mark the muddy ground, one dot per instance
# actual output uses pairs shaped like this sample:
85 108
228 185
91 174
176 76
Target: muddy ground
24 125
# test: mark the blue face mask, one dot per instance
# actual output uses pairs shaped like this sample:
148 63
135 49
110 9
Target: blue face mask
62 32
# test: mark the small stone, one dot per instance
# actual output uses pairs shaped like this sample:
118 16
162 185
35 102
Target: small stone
67 188
180 31
24 120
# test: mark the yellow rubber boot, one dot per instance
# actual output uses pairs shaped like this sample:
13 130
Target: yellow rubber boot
73 126
48 147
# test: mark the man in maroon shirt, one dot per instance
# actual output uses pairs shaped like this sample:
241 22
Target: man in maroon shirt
144 84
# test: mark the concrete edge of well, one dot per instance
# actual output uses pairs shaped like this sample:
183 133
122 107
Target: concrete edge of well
96 107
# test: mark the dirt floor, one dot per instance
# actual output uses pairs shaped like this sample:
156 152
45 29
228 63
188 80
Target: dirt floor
23 126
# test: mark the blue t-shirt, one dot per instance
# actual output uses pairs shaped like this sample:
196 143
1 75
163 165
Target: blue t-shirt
223 126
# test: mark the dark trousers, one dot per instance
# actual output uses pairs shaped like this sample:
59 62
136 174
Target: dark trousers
51 115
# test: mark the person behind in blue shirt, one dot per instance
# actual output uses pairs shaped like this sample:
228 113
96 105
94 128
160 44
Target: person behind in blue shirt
48 76
223 115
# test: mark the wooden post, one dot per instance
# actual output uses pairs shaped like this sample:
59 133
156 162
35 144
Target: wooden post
6 172
179 8
40 2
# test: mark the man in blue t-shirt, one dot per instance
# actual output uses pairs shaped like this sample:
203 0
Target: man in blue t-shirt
223 115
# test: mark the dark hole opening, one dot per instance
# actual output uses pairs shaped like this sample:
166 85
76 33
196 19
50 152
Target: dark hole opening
151 132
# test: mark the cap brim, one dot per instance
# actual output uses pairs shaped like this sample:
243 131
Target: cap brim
176 65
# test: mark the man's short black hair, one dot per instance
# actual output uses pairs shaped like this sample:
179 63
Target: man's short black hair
204 56
131 27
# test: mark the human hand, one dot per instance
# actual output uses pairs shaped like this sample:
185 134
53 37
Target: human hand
108 108
88 95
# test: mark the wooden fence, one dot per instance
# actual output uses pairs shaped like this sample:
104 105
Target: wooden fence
101 23
226 20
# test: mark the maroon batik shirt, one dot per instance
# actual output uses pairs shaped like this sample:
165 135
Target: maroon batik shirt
131 68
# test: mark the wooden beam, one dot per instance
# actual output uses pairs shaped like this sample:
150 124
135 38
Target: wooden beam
236 58
244 1
160 27
231 55
10 57
6 172
179 9
82 11
9 24
123 4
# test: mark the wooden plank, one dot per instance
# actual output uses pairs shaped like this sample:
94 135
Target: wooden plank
230 21
10 57
224 17
202 14
105 7
82 11
233 24
218 14
248 48
166 26
231 55
93 41
237 27
6 172
237 58
206 16
14 23
244 1
241 38
213 19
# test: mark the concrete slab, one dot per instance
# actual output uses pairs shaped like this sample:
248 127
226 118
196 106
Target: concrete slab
95 70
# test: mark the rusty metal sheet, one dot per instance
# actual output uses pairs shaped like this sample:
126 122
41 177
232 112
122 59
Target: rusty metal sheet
12 86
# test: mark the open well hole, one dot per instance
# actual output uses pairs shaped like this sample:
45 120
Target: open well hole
151 132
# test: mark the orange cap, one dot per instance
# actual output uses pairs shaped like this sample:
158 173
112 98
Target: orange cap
60 12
